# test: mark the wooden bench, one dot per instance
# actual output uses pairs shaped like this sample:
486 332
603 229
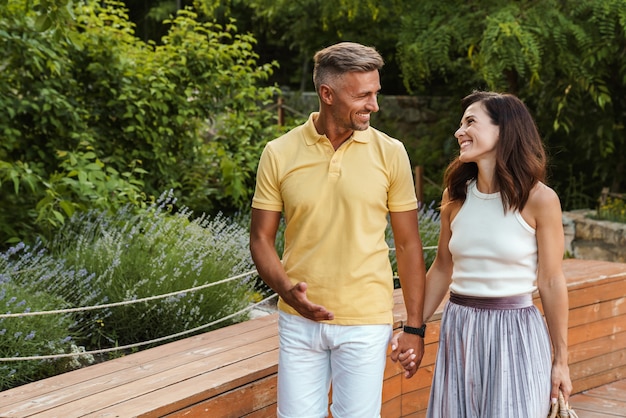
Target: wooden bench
231 372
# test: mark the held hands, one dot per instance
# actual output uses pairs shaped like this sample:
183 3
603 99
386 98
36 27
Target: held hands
408 350
297 299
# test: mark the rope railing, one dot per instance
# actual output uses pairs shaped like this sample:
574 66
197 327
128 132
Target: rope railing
141 300
128 302
141 343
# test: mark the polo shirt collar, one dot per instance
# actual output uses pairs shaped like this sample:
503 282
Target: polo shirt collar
312 137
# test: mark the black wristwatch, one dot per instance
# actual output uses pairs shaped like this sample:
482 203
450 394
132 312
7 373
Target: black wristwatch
416 331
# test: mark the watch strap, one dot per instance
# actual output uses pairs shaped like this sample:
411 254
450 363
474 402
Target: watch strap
415 331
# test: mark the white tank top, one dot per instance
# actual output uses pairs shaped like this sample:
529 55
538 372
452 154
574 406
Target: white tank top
494 254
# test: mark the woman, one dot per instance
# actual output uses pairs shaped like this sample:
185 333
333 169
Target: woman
501 239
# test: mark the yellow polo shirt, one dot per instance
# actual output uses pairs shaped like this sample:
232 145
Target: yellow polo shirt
335 205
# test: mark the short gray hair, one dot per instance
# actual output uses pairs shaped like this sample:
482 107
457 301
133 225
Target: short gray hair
342 58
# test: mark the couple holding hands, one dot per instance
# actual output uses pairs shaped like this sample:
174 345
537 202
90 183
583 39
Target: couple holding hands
337 182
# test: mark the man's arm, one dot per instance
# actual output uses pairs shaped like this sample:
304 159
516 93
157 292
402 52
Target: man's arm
263 228
411 269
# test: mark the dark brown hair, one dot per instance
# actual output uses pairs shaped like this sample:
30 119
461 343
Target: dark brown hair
520 155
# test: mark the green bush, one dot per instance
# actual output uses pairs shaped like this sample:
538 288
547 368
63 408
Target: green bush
101 258
97 118
161 250
39 335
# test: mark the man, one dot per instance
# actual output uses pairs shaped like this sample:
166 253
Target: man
337 180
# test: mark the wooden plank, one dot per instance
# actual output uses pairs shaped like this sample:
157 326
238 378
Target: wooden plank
615 391
181 387
586 272
145 360
235 403
391 369
591 414
111 389
598 365
608 407
392 408
597 347
588 314
598 329
419 414
596 291
596 380
267 412
392 388
415 401
421 380
101 383
153 398
589 403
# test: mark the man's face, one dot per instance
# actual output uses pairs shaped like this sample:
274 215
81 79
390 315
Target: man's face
356 98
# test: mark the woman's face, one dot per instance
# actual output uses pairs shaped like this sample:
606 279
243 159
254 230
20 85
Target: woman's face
477 134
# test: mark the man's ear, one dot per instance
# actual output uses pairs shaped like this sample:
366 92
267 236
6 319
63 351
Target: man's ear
326 94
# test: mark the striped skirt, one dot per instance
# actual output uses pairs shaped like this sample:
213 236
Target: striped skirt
494 360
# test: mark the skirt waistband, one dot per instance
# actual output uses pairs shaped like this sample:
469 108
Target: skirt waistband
507 302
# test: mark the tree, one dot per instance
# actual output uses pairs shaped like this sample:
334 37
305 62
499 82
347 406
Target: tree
565 58
292 31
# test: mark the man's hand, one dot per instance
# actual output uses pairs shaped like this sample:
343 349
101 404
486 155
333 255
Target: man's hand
408 350
297 299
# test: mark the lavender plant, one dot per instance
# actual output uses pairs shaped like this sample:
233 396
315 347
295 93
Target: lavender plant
429 224
160 250
31 335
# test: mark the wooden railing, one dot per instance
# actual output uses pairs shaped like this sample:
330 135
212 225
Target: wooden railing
231 372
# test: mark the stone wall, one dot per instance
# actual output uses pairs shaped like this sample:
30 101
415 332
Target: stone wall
591 239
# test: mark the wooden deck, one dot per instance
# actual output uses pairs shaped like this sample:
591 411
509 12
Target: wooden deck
608 401
231 372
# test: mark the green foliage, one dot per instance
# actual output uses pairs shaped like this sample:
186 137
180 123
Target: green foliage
97 118
30 335
428 139
164 104
100 258
565 59
291 32
155 252
430 225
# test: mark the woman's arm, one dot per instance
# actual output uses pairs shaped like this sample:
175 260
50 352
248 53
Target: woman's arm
544 208
439 275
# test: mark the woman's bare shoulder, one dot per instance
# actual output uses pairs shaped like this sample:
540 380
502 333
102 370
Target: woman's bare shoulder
542 195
